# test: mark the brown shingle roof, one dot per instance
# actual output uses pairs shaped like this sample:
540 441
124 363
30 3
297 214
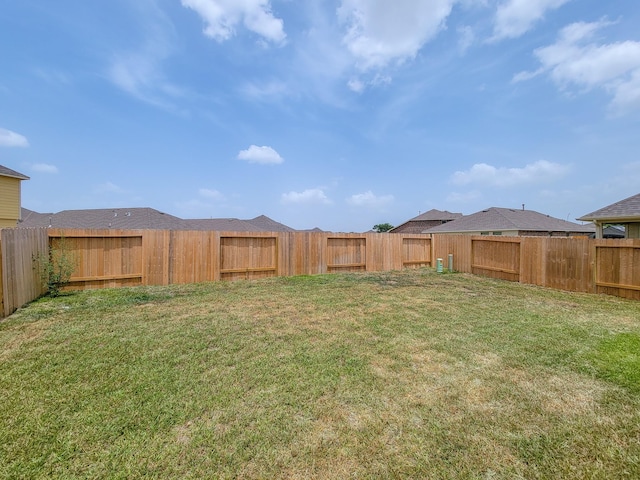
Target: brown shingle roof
7 172
424 220
629 208
434 214
507 219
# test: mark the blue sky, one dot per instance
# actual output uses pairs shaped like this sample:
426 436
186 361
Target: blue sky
332 114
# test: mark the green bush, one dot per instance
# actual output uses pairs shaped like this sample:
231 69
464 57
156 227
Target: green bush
56 267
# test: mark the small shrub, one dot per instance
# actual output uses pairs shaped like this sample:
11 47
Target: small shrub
56 267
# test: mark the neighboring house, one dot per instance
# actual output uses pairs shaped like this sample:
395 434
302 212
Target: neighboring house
625 212
512 222
426 220
613 232
143 218
10 195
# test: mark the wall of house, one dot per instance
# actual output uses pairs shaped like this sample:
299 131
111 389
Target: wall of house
9 201
526 233
633 230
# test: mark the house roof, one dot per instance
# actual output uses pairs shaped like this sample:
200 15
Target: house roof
434 214
144 218
261 223
430 216
7 172
626 209
119 218
507 219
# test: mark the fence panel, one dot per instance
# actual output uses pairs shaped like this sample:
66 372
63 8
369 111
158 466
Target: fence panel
496 257
416 252
457 245
248 257
568 264
102 258
618 268
346 254
193 256
20 281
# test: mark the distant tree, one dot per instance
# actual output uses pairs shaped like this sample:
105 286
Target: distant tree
382 227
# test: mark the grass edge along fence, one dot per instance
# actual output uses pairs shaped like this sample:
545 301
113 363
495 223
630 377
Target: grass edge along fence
117 258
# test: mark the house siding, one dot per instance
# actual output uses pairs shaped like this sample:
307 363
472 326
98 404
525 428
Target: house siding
526 233
9 201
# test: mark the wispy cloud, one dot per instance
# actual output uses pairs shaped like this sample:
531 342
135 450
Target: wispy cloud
210 194
44 168
576 60
311 195
369 199
12 139
516 17
490 176
107 188
139 71
221 18
263 155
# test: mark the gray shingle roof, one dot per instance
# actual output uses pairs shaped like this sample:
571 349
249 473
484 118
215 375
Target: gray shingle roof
507 219
117 218
629 208
7 172
144 218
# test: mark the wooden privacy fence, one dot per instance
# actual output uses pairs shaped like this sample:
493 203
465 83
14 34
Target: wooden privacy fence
111 258
114 258
574 264
19 276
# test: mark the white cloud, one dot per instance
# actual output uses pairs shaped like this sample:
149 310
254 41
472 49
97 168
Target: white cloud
312 195
44 168
12 139
273 89
490 176
576 60
369 199
222 16
383 31
355 85
212 194
108 187
516 17
264 155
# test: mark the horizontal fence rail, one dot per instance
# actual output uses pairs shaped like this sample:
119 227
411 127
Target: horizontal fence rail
118 258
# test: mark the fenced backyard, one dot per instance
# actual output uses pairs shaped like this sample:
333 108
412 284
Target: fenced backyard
116 258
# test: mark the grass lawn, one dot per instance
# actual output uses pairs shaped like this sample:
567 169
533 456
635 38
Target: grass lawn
407 374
